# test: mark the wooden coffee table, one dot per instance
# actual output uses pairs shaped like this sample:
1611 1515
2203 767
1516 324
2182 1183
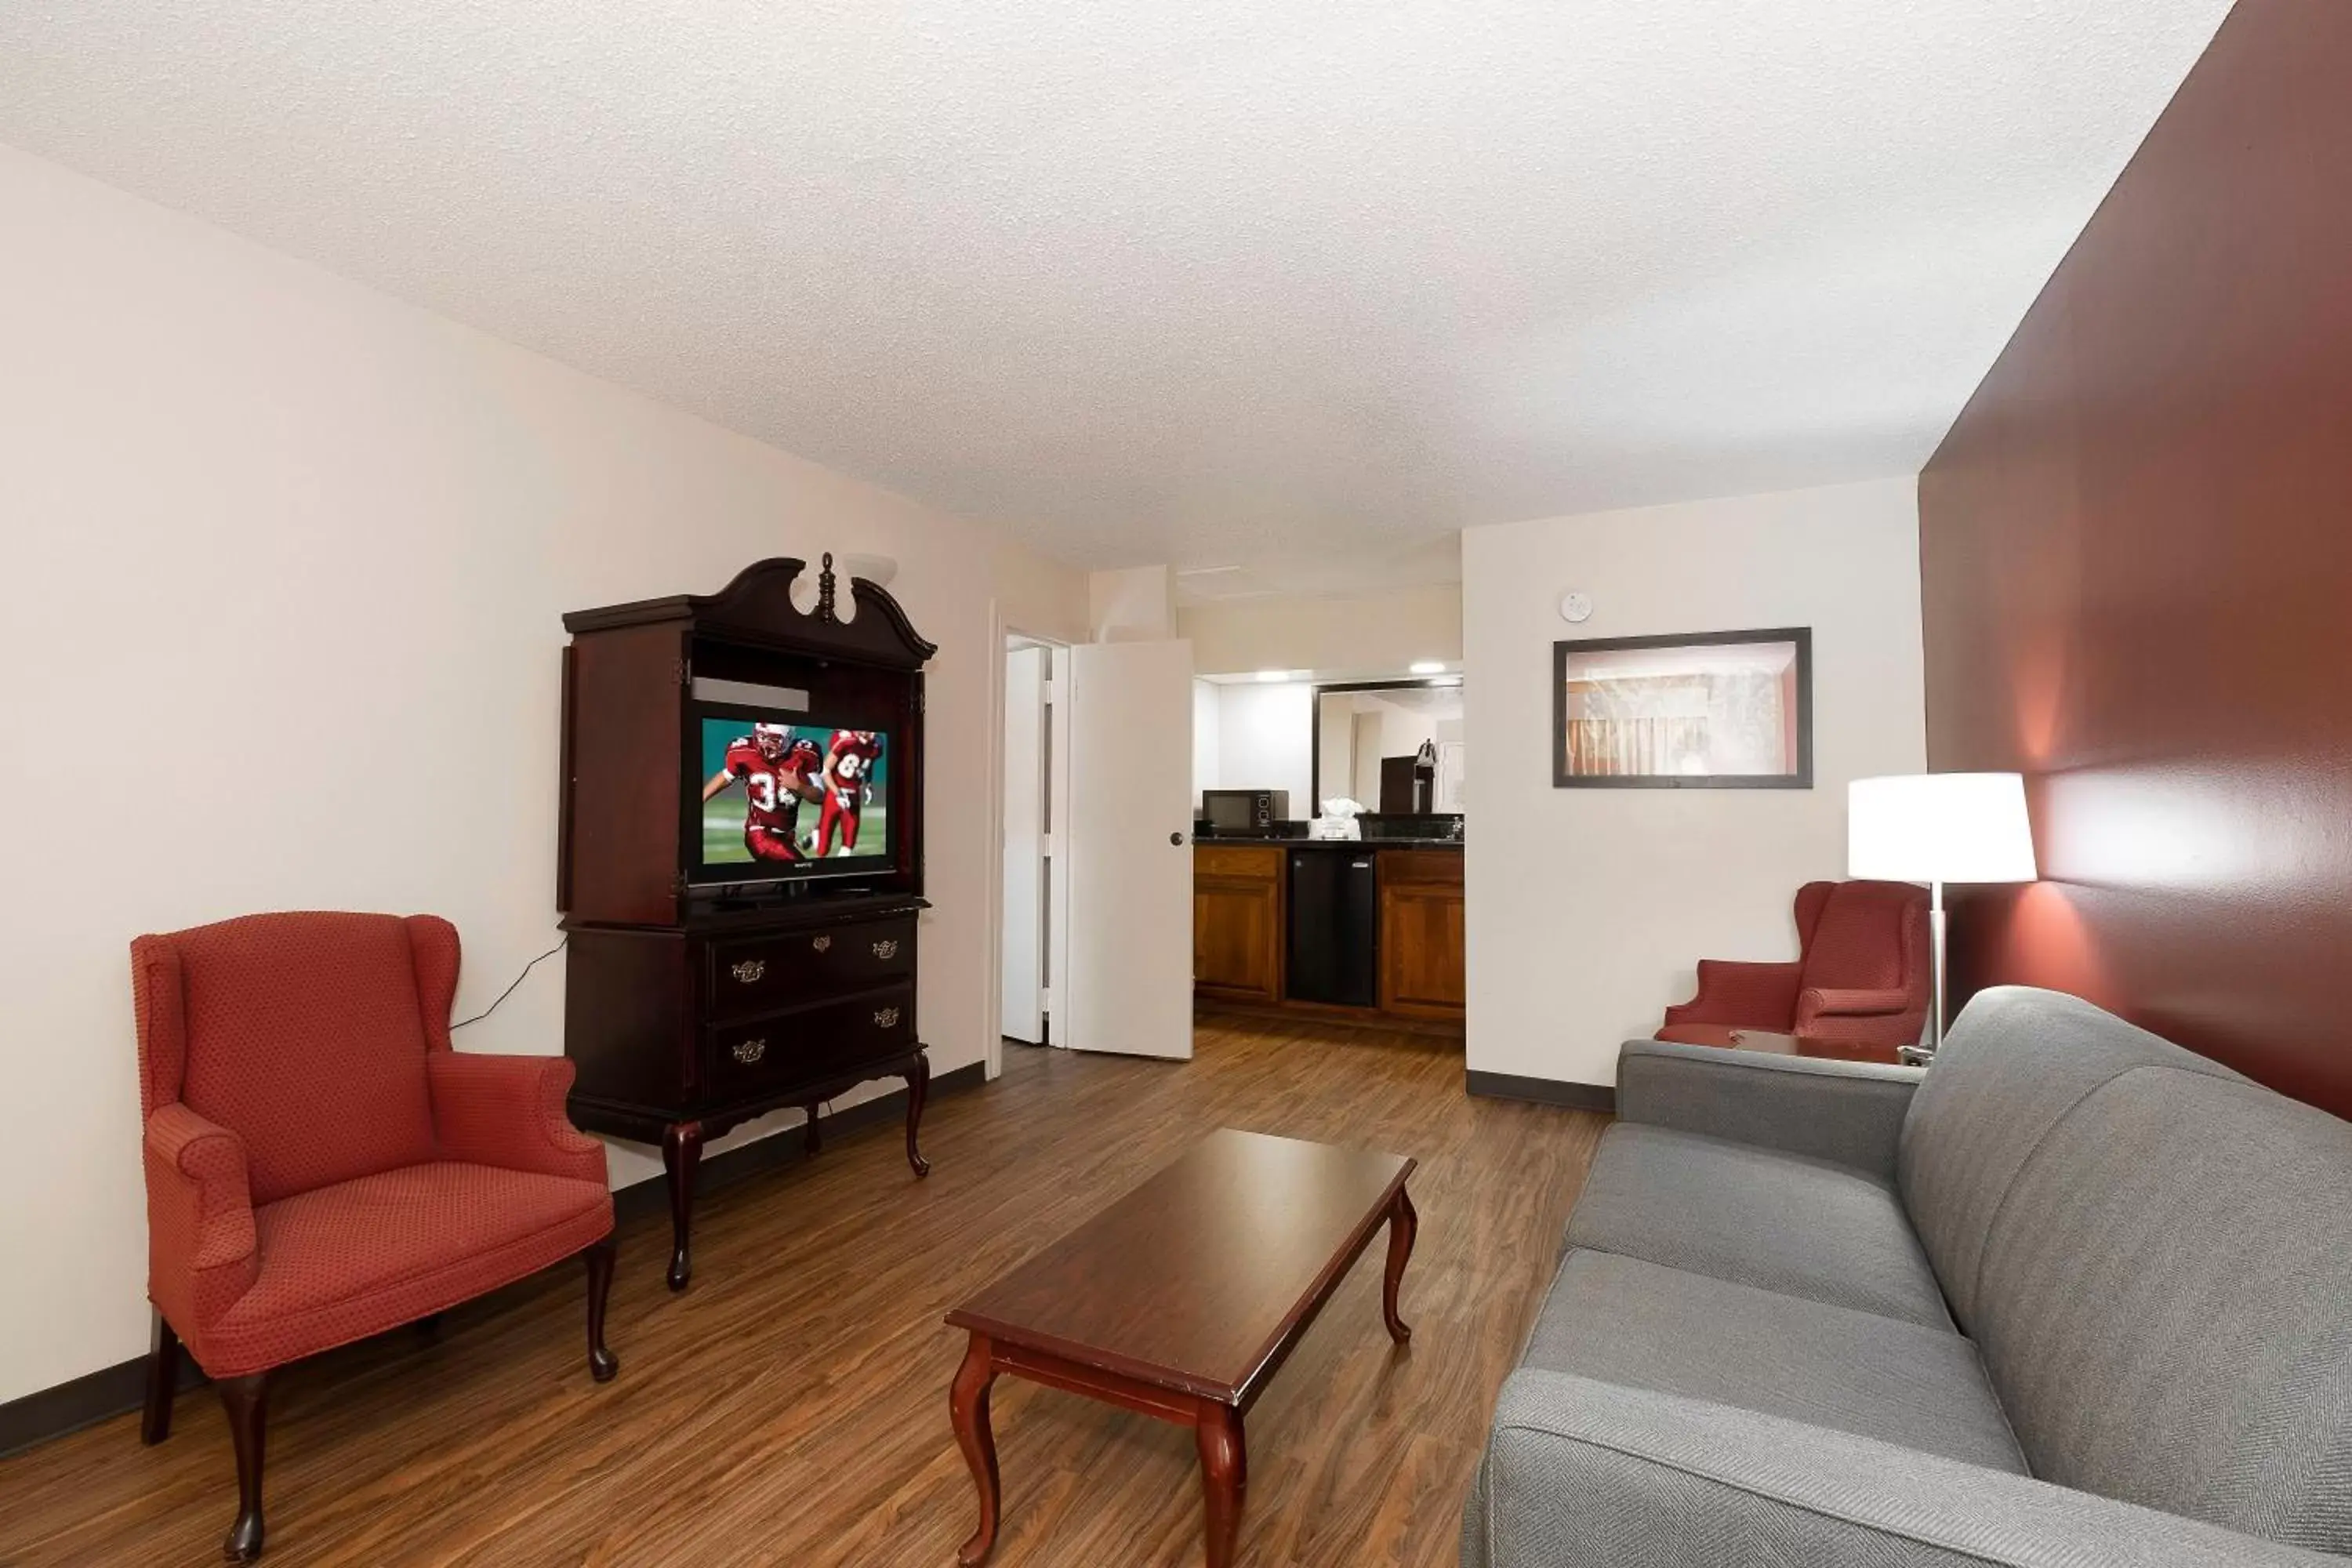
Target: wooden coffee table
1181 1298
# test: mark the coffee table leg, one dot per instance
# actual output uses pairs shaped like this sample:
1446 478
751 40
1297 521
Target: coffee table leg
968 1404
1403 1224
1225 1477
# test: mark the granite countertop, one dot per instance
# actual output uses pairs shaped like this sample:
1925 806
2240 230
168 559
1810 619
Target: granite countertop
1378 843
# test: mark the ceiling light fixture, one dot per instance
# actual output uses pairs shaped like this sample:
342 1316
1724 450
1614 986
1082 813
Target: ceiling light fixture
1427 666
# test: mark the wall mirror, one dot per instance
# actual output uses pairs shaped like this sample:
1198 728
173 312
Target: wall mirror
1395 746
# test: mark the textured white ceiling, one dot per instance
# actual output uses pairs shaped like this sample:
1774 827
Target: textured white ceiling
1302 286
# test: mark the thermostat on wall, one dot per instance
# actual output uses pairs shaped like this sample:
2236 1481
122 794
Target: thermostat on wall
1575 606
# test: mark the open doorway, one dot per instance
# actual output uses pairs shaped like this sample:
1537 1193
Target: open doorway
1035 894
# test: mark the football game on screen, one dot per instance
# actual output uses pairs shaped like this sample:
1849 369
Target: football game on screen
777 795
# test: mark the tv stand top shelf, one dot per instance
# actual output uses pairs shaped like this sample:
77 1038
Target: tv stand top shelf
770 914
822 909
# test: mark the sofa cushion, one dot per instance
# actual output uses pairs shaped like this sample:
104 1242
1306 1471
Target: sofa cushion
2016 1061
1579 1474
1780 1222
1641 1325
343 1262
2165 1302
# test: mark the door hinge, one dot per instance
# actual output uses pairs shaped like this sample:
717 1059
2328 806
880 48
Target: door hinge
682 671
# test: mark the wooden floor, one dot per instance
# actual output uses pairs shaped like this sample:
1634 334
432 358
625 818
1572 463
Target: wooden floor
792 1408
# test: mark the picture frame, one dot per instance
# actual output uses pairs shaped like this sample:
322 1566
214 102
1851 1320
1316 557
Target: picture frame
1729 710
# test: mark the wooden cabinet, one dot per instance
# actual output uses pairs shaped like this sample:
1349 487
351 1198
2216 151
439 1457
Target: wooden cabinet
1237 921
1241 914
693 1001
1422 933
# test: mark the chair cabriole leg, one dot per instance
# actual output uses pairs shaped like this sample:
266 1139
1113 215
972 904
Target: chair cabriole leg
601 1362
247 1401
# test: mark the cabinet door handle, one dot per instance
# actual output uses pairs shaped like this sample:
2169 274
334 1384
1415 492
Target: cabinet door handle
886 1017
888 949
749 1052
749 970
818 945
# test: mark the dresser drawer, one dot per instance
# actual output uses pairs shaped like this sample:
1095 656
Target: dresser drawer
754 974
765 1056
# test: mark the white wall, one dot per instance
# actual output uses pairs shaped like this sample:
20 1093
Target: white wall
1588 909
286 561
1208 718
1361 636
1136 605
1264 736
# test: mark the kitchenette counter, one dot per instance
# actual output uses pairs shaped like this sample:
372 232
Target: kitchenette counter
1383 842
1373 933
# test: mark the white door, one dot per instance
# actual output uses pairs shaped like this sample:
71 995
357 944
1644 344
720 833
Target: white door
1129 987
1024 845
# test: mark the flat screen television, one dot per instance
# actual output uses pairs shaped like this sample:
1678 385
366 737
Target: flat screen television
783 798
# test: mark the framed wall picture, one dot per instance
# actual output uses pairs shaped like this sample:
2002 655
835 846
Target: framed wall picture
1708 711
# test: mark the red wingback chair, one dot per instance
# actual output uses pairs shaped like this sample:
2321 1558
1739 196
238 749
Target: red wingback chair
322 1166
1862 973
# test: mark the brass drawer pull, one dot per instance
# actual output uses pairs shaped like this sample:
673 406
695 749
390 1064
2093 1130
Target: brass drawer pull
888 949
749 970
886 1017
818 945
749 1052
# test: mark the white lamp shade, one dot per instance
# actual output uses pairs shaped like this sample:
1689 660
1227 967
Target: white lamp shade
1939 827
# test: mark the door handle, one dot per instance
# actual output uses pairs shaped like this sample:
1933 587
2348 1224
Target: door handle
1176 839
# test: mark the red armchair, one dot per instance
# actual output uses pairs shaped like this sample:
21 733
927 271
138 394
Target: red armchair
322 1166
1862 973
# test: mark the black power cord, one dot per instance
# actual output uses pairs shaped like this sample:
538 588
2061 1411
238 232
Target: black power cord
510 991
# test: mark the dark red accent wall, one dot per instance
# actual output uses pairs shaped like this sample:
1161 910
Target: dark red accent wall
2137 564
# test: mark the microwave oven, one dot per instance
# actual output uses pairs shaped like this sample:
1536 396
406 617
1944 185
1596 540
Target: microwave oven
1244 810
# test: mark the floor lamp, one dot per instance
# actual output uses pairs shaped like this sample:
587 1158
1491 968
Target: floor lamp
1938 828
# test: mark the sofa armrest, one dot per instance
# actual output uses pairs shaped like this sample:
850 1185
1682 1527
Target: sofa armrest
1580 1471
1760 995
509 1112
1850 1113
202 1252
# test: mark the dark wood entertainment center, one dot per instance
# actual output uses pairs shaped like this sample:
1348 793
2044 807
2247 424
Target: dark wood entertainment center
694 1004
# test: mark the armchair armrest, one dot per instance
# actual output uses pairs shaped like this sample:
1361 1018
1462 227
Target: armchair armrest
1849 1112
1832 1001
202 1254
1580 1471
1761 996
509 1112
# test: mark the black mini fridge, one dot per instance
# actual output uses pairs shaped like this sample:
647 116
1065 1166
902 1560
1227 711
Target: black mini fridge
1335 927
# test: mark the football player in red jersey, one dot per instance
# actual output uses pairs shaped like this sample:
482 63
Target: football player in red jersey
847 761
776 770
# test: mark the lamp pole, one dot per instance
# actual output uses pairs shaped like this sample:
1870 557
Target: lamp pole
1935 935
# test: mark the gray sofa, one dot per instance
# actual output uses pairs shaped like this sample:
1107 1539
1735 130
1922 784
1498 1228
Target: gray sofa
2074 1296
